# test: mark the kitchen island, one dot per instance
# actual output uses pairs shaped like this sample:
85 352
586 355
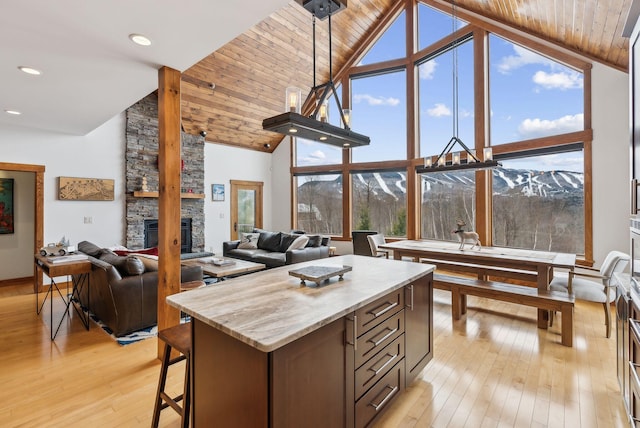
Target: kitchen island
270 352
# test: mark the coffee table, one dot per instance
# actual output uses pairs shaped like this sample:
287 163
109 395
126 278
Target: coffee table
237 268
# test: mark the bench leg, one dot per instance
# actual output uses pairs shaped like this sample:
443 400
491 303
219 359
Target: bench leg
456 303
463 304
567 325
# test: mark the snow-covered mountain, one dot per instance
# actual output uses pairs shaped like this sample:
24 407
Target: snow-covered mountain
505 182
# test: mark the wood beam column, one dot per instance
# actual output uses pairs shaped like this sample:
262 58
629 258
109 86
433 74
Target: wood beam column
169 196
484 197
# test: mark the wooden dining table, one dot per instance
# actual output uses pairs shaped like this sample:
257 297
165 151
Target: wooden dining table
533 264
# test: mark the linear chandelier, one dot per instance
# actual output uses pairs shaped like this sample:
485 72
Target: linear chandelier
470 161
316 127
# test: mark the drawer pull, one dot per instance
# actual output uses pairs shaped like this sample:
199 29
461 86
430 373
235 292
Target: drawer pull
393 357
354 320
386 398
387 309
385 337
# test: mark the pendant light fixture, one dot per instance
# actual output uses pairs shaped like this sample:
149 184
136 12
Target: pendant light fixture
316 127
470 161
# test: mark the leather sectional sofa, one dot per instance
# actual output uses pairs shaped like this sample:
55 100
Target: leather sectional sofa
274 248
124 289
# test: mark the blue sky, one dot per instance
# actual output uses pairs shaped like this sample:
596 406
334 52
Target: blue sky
531 96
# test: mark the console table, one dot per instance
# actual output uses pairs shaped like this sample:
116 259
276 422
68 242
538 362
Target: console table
79 271
270 352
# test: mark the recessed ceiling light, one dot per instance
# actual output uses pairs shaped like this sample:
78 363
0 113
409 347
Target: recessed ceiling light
29 70
14 112
140 39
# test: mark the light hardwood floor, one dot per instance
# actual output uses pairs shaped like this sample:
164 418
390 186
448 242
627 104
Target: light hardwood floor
493 369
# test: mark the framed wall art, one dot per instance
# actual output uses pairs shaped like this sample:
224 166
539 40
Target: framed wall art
6 206
217 192
85 189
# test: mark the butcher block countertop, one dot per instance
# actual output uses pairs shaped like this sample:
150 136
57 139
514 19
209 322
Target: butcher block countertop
270 309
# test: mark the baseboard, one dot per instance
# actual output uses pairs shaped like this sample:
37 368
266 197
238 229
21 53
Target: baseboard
16 281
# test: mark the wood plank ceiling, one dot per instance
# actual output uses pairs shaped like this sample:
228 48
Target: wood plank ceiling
251 72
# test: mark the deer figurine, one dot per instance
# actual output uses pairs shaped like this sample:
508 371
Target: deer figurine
471 237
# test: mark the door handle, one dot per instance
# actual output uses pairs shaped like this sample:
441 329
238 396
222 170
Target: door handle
235 227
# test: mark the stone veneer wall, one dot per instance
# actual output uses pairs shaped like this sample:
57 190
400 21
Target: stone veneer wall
142 160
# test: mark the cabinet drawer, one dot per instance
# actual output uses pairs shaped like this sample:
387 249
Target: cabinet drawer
379 365
374 312
371 342
378 398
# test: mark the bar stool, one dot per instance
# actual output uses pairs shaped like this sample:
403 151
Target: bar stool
178 338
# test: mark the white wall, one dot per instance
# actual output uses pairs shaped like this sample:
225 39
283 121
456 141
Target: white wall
225 163
99 154
611 194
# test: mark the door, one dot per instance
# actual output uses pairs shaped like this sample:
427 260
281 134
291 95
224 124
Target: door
246 207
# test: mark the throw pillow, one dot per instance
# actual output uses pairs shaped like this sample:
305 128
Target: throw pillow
269 241
149 261
249 241
151 251
314 240
126 265
134 266
286 239
299 243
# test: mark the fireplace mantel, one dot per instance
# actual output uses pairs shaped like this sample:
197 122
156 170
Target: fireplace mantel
186 195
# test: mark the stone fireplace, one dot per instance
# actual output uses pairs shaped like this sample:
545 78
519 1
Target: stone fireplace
151 234
142 161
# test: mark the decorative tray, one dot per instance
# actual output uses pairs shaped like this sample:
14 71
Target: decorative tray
318 274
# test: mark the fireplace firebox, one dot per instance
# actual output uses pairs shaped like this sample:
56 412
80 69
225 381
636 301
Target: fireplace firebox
151 234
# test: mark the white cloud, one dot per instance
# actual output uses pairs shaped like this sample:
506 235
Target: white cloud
427 70
439 110
376 101
521 58
534 128
318 154
560 81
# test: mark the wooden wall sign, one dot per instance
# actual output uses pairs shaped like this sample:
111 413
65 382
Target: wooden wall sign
85 189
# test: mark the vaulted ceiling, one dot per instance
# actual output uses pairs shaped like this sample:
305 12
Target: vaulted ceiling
92 72
231 91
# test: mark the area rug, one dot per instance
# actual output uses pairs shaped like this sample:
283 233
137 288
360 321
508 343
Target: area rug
130 338
134 337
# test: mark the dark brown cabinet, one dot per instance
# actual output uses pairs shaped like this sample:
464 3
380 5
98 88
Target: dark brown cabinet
418 322
344 374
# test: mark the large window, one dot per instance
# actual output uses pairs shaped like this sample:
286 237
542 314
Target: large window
528 104
390 45
532 96
379 202
437 107
379 105
319 205
538 203
447 197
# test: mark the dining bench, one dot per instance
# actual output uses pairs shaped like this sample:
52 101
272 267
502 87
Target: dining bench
460 287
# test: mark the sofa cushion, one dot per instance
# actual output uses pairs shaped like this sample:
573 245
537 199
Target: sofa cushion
269 241
326 240
90 249
249 241
270 259
314 241
286 239
126 265
298 243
